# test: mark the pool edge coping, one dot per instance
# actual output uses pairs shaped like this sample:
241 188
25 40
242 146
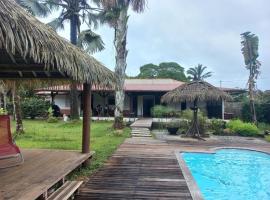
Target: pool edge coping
191 183
193 187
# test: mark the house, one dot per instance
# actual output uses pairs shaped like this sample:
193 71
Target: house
140 96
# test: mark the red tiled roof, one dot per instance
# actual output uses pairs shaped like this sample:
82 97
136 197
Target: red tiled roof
138 85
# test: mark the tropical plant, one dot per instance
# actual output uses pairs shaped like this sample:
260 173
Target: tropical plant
34 106
116 15
35 7
198 73
250 45
75 12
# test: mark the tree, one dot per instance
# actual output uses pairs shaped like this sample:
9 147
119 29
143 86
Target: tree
17 108
198 73
163 70
250 45
116 14
75 12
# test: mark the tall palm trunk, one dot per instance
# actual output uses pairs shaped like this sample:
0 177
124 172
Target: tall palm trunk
17 109
120 67
74 104
251 85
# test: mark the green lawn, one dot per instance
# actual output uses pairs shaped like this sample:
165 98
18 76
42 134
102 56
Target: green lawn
40 134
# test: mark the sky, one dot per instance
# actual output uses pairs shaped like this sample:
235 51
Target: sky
192 32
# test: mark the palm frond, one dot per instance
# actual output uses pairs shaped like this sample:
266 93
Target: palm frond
57 24
35 7
25 38
138 5
90 41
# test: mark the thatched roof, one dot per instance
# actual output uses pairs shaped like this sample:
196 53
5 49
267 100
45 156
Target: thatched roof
200 90
30 49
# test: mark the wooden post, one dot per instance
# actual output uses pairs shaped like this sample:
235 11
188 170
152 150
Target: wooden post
86 117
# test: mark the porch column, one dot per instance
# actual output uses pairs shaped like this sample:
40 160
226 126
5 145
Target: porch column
86 118
223 108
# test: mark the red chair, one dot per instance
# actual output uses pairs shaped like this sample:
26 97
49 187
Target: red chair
10 154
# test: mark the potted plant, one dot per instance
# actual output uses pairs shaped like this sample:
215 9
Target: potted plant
3 114
172 127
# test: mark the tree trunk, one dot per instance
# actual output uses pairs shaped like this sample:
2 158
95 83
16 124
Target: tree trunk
251 97
120 67
194 130
74 104
17 110
5 99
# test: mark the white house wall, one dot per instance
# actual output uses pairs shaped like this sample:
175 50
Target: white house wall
62 101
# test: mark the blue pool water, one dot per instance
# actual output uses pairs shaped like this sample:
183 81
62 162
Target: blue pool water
231 174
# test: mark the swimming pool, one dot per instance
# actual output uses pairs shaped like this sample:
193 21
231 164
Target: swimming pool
231 174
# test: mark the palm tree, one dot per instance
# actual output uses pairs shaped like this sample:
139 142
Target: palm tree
75 12
250 45
197 73
116 14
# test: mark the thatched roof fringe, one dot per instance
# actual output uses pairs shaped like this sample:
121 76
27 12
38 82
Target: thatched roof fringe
200 90
22 34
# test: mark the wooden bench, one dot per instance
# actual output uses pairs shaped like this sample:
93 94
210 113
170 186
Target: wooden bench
67 190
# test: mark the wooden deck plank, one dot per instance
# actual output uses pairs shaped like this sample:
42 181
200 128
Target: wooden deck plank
138 170
41 170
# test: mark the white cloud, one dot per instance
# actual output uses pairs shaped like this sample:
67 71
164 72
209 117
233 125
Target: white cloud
195 31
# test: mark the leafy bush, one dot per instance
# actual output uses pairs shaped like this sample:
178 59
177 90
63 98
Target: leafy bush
3 111
218 126
262 111
34 107
173 124
51 118
160 111
242 128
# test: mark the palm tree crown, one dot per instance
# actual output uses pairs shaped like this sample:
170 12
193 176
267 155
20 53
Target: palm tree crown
198 73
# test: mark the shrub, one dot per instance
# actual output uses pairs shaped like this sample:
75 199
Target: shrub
218 126
160 111
3 111
241 128
262 112
51 118
173 124
34 107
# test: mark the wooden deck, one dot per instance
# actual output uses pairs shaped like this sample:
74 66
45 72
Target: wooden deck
41 170
141 168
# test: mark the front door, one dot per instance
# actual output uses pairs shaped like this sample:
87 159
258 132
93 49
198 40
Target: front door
148 103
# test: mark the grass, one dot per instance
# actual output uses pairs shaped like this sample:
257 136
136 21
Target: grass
67 136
